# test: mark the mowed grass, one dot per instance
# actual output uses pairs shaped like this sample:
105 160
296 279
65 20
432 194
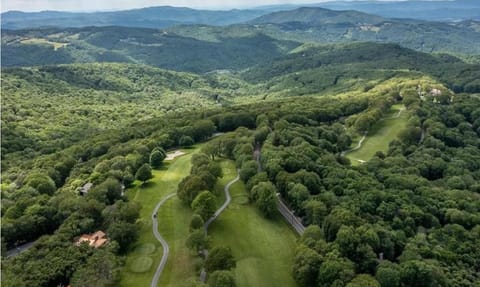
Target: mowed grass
380 136
40 41
174 219
263 248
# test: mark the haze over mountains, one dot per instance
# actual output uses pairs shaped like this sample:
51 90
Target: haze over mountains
165 16
203 48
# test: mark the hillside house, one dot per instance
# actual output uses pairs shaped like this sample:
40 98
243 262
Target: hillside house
96 240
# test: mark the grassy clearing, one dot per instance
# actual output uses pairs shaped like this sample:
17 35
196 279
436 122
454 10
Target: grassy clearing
39 41
263 248
141 264
380 136
174 219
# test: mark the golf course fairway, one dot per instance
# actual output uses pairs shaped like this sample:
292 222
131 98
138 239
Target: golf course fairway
263 248
379 137
173 219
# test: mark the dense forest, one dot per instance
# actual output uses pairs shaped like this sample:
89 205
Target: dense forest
92 113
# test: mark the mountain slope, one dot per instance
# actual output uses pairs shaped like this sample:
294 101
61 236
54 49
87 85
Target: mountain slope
152 17
321 25
337 68
318 16
137 45
438 10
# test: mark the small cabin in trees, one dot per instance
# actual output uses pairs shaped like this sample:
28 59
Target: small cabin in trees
96 240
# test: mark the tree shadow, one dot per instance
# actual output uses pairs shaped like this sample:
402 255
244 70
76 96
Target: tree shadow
147 184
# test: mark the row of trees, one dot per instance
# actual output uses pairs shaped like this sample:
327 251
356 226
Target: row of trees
203 176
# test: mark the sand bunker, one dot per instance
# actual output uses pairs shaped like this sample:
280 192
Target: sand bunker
173 154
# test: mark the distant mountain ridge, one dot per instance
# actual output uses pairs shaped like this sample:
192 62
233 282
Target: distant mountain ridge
438 10
168 16
314 24
137 45
318 16
151 17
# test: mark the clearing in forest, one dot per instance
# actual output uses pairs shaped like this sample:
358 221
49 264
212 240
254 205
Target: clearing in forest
382 133
173 219
263 248
40 41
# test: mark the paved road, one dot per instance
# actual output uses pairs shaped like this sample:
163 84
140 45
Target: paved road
257 153
19 249
166 249
422 136
290 216
228 199
395 116
282 207
359 145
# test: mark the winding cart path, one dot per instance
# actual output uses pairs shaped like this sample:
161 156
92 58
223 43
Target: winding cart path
166 248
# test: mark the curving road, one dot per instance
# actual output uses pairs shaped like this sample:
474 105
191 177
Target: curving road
228 199
359 145
166 248
395 116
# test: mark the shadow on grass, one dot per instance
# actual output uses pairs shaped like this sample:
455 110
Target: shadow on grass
163 167
147 184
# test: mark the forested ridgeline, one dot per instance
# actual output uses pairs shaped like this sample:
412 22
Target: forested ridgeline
408 215
46 109
201 48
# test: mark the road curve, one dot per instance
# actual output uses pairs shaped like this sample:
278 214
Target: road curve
166 248
359 145
365 134
228 199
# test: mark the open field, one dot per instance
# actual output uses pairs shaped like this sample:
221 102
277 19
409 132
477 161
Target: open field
380 136
40 41
174 219
263 248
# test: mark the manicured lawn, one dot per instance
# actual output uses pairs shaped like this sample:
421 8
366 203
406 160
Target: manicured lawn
263 248
174 219
380 136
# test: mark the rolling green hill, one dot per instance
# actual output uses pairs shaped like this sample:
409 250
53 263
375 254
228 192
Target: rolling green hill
367 128
314 68
322 25
137 45
201 48
56 104
318 16
151 17
51 107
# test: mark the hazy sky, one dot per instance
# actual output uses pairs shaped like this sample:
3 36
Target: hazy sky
95 5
